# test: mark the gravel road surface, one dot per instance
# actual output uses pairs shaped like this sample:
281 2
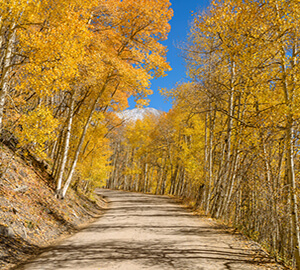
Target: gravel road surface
141 231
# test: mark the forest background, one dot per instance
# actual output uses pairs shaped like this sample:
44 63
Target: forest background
230 142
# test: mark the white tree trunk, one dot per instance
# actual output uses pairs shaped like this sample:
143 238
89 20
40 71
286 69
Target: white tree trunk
227 165
293 194
65 148
4 80
210 157
289 98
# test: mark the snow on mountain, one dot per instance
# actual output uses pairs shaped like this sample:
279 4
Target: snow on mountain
138 114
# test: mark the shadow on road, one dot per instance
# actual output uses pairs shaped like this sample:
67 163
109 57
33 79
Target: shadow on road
152 254
154 233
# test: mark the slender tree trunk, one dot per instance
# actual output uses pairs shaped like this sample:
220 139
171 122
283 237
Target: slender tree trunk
162 175
179 181
113 183
231 183
5 72
158 178
183 183
146 177
216 193
210 157
66 148
131 177
164 179
173 179
227 165
126 159
293 194
2 30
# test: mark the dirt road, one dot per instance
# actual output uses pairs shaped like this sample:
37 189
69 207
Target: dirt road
150 232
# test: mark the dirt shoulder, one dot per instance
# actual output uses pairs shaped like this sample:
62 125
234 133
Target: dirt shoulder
30 215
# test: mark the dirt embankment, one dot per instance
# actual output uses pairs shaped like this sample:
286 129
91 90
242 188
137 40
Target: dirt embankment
30 215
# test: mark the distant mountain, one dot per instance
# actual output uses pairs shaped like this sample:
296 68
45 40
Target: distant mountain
138 114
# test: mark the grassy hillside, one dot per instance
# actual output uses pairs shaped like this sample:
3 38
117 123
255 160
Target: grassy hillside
30 215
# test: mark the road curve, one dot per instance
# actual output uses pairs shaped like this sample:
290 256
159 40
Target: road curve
141 231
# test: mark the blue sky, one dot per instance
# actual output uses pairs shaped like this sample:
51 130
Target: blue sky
180 25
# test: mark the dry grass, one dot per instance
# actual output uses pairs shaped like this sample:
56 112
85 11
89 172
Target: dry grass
29 207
